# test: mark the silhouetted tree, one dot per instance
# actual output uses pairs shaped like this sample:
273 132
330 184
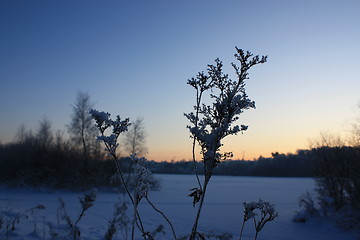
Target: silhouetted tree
355 132
82 127
44 135
135 138
21 134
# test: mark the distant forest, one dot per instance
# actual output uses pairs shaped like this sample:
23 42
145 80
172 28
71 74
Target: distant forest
301 164
61 165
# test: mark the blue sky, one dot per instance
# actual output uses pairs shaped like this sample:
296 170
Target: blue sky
134 58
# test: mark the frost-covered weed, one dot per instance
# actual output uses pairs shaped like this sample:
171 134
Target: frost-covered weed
261 212
10 218
212 122
71 230
120 220
140 179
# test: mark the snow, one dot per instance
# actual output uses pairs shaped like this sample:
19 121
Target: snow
222 211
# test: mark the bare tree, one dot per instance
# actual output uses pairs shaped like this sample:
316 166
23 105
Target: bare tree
21 134
355 132
44 133
82 127
135 138
327 139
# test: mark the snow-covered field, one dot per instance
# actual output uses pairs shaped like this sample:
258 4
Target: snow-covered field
222 212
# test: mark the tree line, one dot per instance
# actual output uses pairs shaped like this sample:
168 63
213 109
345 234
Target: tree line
300 164
46 159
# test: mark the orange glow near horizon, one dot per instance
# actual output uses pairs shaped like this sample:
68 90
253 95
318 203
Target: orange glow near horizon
241 148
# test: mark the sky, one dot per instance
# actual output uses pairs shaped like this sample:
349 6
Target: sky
134 58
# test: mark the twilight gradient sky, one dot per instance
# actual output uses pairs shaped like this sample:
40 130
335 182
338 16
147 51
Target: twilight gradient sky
134 58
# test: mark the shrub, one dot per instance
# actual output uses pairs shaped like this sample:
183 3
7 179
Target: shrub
337 186
309 209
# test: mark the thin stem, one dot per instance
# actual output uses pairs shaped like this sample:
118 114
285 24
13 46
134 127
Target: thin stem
79 218
194 229
198 101
118 169
137 215
256 230
256 234
123 181
159 211
195 167
133 225
242 229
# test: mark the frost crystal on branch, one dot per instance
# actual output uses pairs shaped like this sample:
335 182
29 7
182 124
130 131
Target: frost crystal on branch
102 119
103 122
142 177
249 210
88 199
261 212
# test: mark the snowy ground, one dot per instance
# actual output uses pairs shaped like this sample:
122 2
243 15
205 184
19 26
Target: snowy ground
222 212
